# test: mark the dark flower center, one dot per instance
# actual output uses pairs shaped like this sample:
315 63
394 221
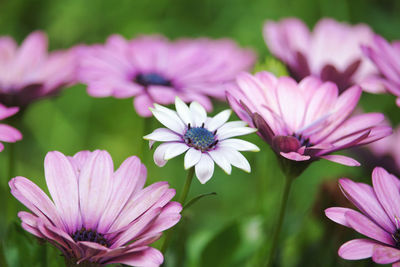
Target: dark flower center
303 140
200 138
147 79
90 235
396 238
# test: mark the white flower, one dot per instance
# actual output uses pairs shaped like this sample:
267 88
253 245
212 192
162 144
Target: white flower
204 139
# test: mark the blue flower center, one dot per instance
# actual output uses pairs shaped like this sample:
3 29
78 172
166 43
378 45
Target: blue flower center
91 236
396 238
147 79
303 140
200 138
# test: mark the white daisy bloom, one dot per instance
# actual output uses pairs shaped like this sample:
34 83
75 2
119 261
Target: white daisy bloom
204 139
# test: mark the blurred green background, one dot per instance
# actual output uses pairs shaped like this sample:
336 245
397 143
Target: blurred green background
231 228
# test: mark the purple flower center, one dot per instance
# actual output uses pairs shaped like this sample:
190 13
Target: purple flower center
200 138
91 236
147 79
303 140
396 238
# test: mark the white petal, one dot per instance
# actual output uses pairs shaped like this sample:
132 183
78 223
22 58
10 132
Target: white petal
198 113
159 154
204 168
218 120
238 144
183 111
163 135
227 132
218 156
236 159
175 149
192 157
169 119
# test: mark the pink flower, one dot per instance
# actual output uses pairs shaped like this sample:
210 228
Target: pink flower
331 52
386 58
155 70
7 133
98 215
378 219
30 72
304 121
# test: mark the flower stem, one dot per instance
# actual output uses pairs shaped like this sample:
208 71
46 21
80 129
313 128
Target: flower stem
182 199
11 161
281 217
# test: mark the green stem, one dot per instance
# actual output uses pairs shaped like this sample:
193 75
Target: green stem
282 211
182 199
3 261
11 161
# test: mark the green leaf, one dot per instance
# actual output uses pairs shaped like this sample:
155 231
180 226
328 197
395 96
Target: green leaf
273 65
197 198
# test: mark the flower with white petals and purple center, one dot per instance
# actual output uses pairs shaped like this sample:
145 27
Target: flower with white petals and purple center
155 70
378 218
98 216
204 139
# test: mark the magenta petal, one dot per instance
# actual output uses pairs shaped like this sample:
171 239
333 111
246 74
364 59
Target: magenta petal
29 223
338 215
385 254
95 187
387 193
357 249
295 156
35 199
126 179
6 112
142 104
342 160
150 257
364 198
63 186
365 226
9 133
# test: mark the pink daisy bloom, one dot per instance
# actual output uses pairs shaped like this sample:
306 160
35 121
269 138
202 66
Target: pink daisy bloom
304 121
386 58
204 139
98 215
378 219
155 70
331 51
29 72
7 133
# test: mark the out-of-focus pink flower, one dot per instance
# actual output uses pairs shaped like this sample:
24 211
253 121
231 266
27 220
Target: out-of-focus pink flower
7 133
155 70
98 215
386 58
331 52
389 146
29 72
378 219
307 120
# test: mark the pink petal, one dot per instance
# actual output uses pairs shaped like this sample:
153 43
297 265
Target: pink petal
162 94
126 179
95 187
139 204
295 156
6 112
341 160
387 192
62 184
357 249
9 134
142 104
364 198
385 254
35 199
365 226
145 258
29 223
338 215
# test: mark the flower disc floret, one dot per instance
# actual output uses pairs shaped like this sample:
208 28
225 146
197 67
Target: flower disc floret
147 79
200 138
